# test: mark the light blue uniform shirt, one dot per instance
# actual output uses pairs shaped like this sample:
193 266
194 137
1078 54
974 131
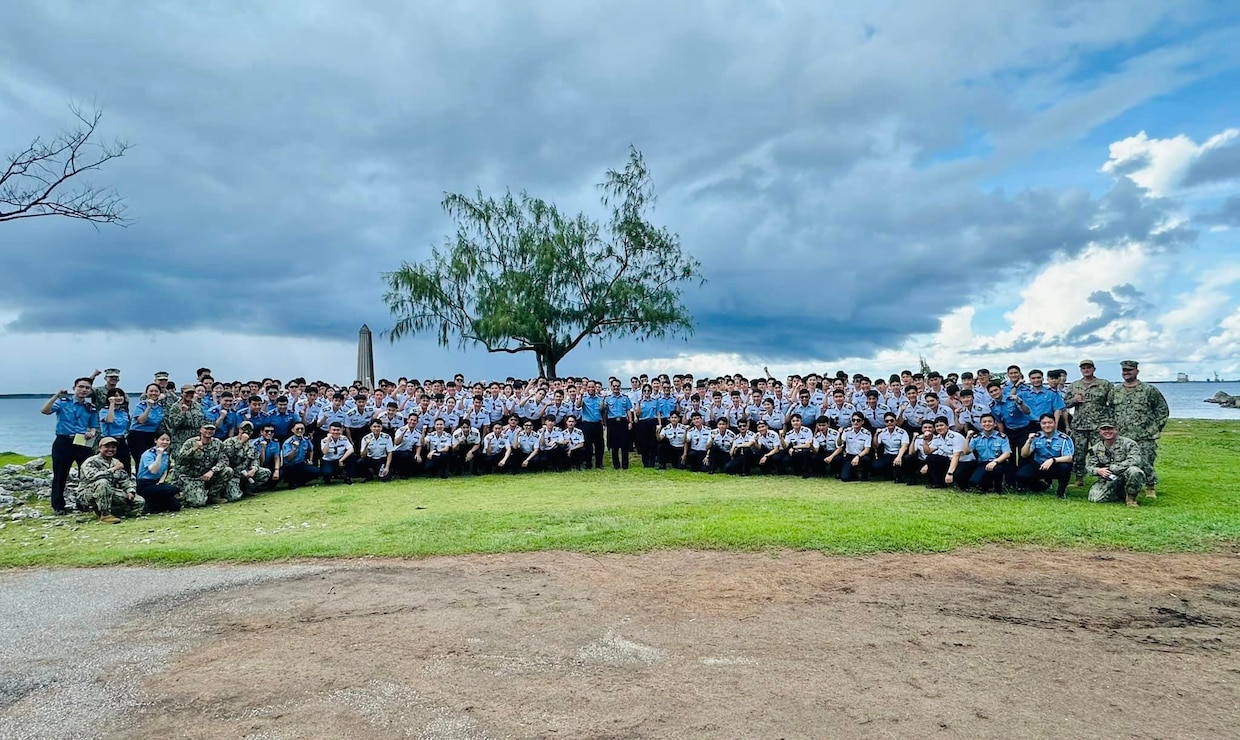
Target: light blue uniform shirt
117 427
73 417
617 405
1056 445
1041 402
148 459
295 451
989 447
152 420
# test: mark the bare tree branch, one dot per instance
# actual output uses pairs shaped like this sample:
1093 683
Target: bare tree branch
36 180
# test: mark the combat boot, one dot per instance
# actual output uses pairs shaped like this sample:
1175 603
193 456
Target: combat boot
108 519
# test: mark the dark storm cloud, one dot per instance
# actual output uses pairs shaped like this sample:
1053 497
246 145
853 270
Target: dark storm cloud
288 153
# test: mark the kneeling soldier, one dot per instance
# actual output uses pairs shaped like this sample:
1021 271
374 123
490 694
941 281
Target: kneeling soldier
107 487
1119 466
202 472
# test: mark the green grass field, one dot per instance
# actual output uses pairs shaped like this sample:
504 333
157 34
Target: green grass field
608 511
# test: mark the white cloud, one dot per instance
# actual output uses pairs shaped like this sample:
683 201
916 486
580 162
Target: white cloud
1159 165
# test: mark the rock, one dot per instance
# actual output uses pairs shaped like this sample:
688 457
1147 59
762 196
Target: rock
1225 400
36 464
7 500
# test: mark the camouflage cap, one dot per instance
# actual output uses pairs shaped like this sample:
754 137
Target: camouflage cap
1086 363
208 425
1106 424
111 373
1128 365
108 441
161 375
187 388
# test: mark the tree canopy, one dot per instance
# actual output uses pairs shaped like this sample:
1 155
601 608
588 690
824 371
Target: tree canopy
520 276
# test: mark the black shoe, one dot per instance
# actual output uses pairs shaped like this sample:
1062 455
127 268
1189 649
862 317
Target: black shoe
60 512
1061 494
348 481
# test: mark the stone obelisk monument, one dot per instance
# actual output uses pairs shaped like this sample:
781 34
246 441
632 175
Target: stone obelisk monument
365 357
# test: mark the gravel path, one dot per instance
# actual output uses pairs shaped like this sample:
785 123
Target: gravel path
61 673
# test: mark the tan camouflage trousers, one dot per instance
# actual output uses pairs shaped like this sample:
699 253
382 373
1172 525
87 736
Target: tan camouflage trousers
103 498
1082 440
1149 451
240 485
1128 485
195 492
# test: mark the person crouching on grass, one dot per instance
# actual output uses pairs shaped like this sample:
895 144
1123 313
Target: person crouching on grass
375 454
1046 457
337 451
107 488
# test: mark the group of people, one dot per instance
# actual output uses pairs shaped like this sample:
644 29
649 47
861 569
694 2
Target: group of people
209 442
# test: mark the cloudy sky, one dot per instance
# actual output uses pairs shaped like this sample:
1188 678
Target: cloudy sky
976 182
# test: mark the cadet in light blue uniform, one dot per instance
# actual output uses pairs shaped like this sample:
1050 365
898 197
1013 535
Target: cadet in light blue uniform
1041 399
114 423
1048 458
617 406
75 415
993 454
671 440
145 419
592 425
153 473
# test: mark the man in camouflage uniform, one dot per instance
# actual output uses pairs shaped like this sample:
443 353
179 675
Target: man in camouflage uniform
106 487
99 394
183 418
1140 412
202 472
1088 398
247 475
1119 466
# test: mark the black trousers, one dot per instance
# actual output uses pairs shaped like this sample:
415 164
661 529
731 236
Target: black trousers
799 459
884 466
741 462
774 461
593 431
850 472
64 454
369 467
298 474
1030 477
437 464
717 458
618 442
695 460
647 443
159 496
983 480
139 443
669 455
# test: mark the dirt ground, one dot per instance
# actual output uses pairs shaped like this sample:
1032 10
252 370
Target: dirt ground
703 644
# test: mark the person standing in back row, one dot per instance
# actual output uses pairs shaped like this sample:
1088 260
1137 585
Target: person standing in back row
1088 399
1140 414
77 424
616 408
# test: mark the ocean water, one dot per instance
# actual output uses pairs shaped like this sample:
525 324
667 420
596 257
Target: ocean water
23 429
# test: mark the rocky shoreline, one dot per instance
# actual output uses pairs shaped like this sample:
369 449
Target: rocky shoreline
1226 400
22 484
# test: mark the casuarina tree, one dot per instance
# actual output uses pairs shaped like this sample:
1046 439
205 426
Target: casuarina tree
520 276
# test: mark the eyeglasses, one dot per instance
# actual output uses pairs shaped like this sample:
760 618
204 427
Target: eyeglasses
269 431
